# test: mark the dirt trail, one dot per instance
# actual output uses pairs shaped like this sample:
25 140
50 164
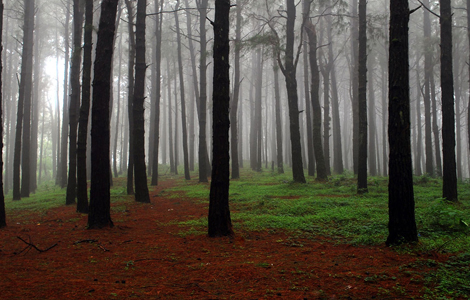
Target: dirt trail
145 256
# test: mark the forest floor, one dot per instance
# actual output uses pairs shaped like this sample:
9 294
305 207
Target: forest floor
149 255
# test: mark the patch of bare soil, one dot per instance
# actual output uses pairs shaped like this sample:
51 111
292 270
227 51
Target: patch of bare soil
145 256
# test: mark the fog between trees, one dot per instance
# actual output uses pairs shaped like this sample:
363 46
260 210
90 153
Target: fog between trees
308 89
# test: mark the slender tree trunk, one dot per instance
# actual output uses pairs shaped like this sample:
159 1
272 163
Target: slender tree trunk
170 122
317 142
24 95
428 65
372 124
449 177
419 133
236 92
220 223
158 63
337 144
277 98
435 127
182 97
140 172
355 84
204 167
36 100
62 174
402 224
82 191
74 107
3 222
100 215
289 70
130 95
362 94
27 112
118 113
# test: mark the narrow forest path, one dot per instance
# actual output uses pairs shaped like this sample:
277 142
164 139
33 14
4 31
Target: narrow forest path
148 255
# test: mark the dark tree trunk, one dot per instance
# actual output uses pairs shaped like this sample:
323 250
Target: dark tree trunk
74 107
170 122
27 111
289 70
355 85
236 92
204 166
372 155
140 172
100 215
337 143
82 191
36 99
220 223
449 176
419 132
24 94
308 109
3 222
118 113
402 225
158 63
62 172
277 98
468 108
258 116
182 95
317 142
428 66
435 127
130 95
362 100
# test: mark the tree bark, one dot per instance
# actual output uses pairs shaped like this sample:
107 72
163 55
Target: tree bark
220 223
130 95
204 167
140 172
277 98
362 100
24 96
99 215
449 177
317 142
182 97
3 222
82 190
428 66
236 92
74 107
402 224
158 63
289 71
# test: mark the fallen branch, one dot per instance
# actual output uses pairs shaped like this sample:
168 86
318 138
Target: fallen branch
30 245
85 241
92 241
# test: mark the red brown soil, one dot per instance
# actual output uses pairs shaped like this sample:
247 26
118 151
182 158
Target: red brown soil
145 256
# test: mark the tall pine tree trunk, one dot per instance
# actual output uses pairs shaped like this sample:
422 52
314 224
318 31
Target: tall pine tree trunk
140 172
130 95
74 108
220 223
315 98
182 97
82 191
402 224
100 215
449 177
